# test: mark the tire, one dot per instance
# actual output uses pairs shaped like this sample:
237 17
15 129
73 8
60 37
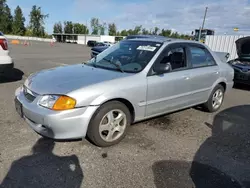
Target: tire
101 131
208 106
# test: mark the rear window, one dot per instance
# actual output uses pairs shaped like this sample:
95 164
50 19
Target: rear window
201 57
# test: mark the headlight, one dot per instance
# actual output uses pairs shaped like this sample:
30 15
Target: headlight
57 102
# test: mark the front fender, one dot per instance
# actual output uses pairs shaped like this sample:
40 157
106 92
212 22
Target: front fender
107 97
136 100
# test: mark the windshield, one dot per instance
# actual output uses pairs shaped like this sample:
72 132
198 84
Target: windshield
126 56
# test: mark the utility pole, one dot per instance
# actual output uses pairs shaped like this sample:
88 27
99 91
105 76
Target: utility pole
86 32
205 15
203 23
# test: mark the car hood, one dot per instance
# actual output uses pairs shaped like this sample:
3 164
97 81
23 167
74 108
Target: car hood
99 48
62 80
243 47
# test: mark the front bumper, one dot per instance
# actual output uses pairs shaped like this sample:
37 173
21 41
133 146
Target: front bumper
69 124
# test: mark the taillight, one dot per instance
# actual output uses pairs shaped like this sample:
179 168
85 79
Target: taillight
4 44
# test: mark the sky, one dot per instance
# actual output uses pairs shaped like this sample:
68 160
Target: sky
179 15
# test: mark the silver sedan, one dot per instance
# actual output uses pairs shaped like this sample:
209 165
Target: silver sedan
133 80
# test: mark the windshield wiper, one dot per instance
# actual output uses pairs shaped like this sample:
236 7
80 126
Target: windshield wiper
117 65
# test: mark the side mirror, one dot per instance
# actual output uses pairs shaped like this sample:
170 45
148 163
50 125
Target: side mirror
163 68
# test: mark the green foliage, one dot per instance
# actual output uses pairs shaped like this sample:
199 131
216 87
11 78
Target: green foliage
145 31
112 29
94 23
68 27
155 32
58 28
28 32
6 18
97 28
102 28
18 27
124 33
79 29
166 32
37 21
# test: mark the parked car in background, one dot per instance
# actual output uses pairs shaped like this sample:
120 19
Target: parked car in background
131 81
103 44
91 43
98 49
241 65
6 63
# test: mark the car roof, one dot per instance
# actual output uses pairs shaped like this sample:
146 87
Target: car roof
162 39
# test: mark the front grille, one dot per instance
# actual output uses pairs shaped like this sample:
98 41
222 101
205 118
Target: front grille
29 95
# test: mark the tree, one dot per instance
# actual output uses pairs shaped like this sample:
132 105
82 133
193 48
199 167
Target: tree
37 19
175 35
68 27
9 19
79 28
6 18
102 28
112 29
137 30
166 33
124 33
58 28
145 31
155 32
95 26
18 27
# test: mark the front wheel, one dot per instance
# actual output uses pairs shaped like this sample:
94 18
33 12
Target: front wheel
215 100
109 124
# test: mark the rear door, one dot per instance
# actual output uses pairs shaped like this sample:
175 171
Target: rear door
205 72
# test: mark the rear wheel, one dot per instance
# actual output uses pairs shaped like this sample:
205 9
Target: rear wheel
215 100
109 124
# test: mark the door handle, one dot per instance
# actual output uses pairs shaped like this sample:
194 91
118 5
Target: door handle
216 72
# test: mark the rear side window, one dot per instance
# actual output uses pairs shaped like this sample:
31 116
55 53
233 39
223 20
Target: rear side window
1 34
200 57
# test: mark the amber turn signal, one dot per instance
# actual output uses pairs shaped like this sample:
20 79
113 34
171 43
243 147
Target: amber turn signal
64 103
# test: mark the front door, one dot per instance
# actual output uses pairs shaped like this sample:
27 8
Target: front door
169 91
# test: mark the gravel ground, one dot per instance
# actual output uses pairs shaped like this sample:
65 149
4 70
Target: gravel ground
190 148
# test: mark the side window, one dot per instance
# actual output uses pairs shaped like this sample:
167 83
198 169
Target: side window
176 58
201 57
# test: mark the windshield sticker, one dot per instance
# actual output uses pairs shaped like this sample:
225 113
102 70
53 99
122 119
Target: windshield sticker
158 45
147 48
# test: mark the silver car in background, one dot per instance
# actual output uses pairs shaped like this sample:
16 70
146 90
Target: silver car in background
133 80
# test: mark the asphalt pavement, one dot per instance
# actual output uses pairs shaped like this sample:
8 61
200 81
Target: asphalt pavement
190 148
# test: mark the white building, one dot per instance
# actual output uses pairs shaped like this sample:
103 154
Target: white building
224 43
83 39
